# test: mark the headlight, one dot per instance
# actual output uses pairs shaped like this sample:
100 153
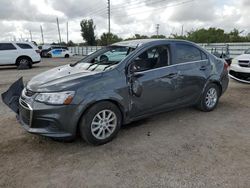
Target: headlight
234 61
56 98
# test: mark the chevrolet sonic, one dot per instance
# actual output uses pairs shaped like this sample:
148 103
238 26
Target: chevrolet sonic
118 84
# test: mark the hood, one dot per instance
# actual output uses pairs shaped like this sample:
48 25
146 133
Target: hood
243 57
59 79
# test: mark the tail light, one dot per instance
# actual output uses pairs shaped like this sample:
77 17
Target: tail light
226 66
38 51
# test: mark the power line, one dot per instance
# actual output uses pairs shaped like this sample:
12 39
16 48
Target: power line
157 8
136 5
126 5
141 3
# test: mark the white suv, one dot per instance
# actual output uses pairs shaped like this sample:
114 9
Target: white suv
19 54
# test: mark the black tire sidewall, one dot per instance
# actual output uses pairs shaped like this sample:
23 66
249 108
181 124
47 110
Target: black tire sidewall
29 63
86 120
203 105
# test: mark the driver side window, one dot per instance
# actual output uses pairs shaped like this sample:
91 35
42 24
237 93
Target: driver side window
152 58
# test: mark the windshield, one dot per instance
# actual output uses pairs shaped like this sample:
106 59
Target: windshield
247 51
105 59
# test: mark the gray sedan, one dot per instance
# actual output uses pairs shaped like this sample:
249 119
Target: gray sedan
95 96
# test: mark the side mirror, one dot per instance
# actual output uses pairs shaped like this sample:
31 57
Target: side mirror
136 88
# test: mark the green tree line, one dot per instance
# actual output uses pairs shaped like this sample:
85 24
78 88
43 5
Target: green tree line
210 35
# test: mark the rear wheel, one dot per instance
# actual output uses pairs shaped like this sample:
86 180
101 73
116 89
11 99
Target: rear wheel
210 98
24 63
101 123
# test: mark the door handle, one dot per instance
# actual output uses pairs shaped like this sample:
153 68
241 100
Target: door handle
203 67
172 75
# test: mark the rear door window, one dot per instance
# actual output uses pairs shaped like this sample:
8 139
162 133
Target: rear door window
188 53
24 46
7 46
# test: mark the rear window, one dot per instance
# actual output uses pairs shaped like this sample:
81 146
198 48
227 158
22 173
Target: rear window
24 46
7 46
188 53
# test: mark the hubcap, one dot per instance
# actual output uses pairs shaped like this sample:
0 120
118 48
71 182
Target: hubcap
211 97
24 61
103 124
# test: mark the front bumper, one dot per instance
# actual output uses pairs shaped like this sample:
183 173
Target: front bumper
48 120
241 74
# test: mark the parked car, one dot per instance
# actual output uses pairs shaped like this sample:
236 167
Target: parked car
47 48
95 97
222 51
19 54
111 56
240 68
59 53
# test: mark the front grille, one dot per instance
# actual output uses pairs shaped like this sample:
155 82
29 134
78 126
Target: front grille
25 112
240 75
24 104
29 93
244 63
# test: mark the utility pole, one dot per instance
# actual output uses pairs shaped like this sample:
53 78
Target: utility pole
31 36
67 27
42 34
157 30
109 16
182 30
59 33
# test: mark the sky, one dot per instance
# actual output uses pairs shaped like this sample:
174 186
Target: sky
19 17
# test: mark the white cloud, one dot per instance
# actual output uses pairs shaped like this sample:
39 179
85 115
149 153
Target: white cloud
127 17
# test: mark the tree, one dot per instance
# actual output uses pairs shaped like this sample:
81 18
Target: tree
138 36
213 35
88 31
108 38
71 43
158 36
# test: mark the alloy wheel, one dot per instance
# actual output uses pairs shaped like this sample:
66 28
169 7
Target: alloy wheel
103 124
211 98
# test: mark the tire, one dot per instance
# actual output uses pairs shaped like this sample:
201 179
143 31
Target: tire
66 56
95 129
209 98
24 63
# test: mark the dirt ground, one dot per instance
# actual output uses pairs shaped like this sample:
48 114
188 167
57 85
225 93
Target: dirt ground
182 148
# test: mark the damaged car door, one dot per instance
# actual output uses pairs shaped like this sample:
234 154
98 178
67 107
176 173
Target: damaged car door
152 81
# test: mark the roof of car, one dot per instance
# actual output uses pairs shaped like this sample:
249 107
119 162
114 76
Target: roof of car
139 42
17 42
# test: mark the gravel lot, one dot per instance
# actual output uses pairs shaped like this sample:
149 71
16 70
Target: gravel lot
182 148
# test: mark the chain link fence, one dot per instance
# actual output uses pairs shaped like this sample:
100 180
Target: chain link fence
232 49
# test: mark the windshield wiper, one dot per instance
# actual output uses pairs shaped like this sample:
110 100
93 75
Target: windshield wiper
111 64
74 64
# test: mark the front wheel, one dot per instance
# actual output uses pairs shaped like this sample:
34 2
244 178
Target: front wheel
209 98
101 123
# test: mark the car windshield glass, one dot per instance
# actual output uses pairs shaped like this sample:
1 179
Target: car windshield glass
105 59
247 51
